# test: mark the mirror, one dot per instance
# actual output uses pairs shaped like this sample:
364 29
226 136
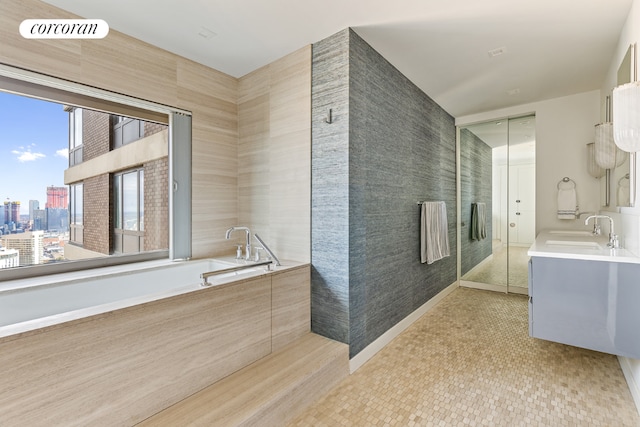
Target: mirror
497 177
622 178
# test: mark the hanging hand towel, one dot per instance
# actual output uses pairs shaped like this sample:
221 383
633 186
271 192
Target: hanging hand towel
567 203
478 221
622 195
434 232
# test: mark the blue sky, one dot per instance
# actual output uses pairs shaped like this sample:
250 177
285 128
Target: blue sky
33 148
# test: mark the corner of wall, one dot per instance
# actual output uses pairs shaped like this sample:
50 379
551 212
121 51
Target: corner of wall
631 371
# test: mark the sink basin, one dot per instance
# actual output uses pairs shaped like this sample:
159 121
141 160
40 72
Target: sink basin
574 243
571 233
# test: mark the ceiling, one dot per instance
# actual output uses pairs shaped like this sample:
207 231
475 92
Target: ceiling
513 131
512 140
546 48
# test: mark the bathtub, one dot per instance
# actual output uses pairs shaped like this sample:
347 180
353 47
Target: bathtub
80 349
34 303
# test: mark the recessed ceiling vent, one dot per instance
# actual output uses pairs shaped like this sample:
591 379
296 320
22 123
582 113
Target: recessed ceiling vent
497 52
206 33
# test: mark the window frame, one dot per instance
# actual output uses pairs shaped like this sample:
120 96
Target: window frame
76 228
76 143
35 85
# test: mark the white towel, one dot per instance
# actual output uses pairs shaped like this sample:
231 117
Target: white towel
567 203
434 232
623 196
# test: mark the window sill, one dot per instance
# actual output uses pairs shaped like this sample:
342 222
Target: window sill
87 264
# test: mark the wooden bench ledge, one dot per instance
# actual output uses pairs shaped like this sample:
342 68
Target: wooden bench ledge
270 391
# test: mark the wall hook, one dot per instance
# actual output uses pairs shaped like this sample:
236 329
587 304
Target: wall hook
329 118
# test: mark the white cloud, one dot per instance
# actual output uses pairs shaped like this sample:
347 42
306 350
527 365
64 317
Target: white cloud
64 152
27 156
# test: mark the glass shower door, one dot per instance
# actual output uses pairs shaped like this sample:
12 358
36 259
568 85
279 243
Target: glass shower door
522 196
497 171
484 154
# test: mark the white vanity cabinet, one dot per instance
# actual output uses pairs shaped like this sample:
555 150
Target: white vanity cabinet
589 304
585 296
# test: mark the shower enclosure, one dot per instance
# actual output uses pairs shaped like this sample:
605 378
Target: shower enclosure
497 203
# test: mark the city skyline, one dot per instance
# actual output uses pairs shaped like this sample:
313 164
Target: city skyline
34 146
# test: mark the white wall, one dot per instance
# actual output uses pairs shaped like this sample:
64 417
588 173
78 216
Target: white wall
564 126
628 221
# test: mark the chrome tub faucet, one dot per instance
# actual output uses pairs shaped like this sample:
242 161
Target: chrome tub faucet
247 255
269 251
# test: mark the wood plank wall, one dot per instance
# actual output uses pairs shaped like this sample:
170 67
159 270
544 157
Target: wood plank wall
274 154
126 65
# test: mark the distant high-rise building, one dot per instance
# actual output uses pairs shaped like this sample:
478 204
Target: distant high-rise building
33 206
15 212
40 219
9 258
29 245
11 212
57 198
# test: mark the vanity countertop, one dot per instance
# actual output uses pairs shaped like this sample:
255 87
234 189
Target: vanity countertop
578 245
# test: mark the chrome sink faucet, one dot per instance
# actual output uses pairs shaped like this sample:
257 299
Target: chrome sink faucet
596 225
247 253
613 239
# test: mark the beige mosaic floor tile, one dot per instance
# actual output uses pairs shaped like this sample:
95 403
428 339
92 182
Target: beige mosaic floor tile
471 362
495 271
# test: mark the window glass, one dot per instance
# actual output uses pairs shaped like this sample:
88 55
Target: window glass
76 136
95 202
117 201
130 200
76 230
141 200
72 204
128 233
78 193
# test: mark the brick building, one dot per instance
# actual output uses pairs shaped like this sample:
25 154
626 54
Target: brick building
118 185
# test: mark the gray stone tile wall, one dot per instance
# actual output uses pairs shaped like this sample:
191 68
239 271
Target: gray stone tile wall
392 148
330 188
475 186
